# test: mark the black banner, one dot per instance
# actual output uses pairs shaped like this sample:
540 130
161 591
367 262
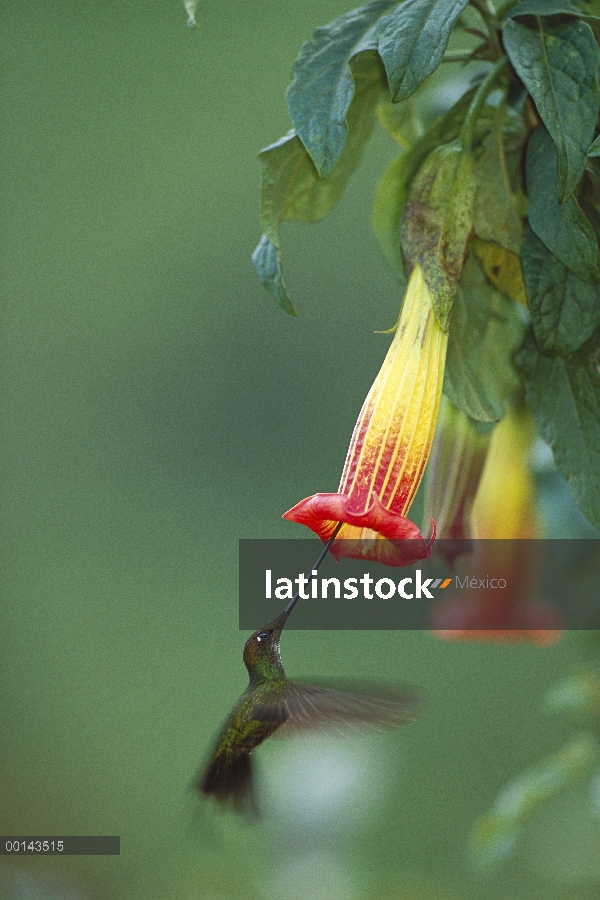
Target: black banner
94 845
536 585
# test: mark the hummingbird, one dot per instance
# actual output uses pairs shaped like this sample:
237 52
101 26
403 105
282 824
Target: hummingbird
271 703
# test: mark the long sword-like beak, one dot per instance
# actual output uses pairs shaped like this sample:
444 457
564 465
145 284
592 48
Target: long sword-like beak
279 623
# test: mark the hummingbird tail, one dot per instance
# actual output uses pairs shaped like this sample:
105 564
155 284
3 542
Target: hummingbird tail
229 779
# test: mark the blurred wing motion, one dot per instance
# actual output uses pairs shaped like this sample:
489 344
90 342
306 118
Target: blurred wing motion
285 708
300 707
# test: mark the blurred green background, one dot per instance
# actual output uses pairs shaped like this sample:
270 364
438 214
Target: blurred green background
156 408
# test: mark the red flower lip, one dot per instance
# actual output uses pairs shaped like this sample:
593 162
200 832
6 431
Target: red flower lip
376 534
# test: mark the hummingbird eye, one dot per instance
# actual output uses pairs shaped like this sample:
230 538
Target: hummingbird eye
262 636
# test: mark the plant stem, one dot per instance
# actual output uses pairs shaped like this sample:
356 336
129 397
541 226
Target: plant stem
487 12
505 7
466 133
490 20
415 118
457 55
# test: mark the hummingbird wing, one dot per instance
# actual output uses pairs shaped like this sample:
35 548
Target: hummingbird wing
300 707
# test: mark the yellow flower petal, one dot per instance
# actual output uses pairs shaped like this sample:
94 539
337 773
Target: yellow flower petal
394 432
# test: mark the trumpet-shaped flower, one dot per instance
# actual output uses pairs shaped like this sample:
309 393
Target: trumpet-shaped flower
455 468
505 524
504 507
390 446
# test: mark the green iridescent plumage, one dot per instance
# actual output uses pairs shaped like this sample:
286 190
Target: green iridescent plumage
272 704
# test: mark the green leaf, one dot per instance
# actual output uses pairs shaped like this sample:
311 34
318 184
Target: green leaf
564 396
590 9
545 8
564 229
438 217
401 121
485 331
558 65
323 85
595 148
565 311
390 197
495 216
412 40
291 186
267 263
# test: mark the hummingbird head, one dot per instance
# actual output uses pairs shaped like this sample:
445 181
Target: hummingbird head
261 651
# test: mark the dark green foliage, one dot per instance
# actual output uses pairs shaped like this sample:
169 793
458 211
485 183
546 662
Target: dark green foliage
412 39
549 8
498 200
486 330
558 64
267 263
564 310
564 394
562 227
323 84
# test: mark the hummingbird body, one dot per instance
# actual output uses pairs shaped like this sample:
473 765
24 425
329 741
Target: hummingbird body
271 703
228 775
255 717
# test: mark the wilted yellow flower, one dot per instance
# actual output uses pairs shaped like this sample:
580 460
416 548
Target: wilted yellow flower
455 468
